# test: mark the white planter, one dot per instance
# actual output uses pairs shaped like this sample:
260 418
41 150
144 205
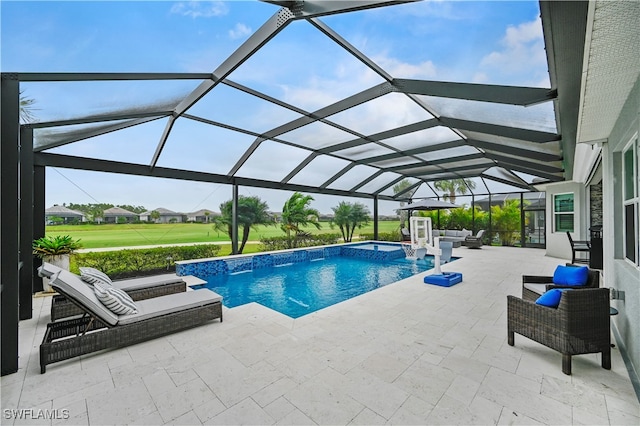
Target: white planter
61 261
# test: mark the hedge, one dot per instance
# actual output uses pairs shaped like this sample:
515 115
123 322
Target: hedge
383 236
305 240
140 262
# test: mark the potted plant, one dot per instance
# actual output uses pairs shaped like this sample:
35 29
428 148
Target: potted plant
55 250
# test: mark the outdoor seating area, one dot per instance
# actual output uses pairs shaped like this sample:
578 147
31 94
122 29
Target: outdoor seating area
580 324
517 137
99 327
407 353
138 288
457 237
567 312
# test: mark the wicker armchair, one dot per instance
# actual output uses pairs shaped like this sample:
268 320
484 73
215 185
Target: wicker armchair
529 293
472 241
580 324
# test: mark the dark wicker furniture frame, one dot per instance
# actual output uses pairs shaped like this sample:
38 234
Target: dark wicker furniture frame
579 246
92 335
474 241
62 307
580 324
592 282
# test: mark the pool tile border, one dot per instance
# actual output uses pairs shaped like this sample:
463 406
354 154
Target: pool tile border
240 263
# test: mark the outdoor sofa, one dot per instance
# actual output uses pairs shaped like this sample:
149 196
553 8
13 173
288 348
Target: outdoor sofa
452 235
98 328
138 288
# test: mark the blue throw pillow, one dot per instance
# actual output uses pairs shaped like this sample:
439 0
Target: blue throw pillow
550 298
571 275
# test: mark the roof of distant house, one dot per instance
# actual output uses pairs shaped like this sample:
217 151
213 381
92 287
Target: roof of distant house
118 211
62 210
202 212
161 210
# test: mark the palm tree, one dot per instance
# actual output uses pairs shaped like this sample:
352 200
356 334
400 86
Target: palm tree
26 109
453 187
348 217
252 211
296 213
398 188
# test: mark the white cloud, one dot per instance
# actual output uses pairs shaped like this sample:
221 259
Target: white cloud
523 50
480 78
399 69
239 31
200 9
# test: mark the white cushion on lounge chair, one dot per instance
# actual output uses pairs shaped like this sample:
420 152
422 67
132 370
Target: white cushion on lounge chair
47 270
536 288
72 285
144 282
168 304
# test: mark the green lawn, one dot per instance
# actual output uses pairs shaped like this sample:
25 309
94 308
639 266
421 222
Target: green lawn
126 235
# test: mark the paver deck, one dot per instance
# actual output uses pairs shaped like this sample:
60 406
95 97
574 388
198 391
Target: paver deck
408 353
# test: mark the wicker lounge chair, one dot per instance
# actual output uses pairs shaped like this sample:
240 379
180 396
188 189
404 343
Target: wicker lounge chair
474 241
533 286
580 324
99 328
138 288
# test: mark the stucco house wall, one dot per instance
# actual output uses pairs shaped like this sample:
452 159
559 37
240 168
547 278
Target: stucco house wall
619 273
557 242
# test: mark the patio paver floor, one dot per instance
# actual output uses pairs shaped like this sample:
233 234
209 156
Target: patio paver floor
408 353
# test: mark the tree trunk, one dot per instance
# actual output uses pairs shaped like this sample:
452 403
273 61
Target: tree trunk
245 236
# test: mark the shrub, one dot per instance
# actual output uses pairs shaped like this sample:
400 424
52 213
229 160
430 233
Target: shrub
302 240
383 236
55 245
139 262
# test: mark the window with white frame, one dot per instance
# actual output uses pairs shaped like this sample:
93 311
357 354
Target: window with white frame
631 200
563 212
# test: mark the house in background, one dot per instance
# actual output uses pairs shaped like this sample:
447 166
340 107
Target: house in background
165 216
118 215
53 214
202 216
533 210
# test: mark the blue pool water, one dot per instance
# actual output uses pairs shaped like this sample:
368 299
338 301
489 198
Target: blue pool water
297 289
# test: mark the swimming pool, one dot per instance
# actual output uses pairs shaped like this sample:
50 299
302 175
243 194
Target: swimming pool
299 288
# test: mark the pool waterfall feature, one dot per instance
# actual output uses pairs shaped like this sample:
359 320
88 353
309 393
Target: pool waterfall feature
244 263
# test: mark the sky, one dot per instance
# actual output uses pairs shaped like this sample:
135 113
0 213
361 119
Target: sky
480 42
